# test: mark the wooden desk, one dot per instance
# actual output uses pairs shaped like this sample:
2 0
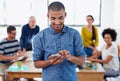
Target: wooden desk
83 75
32 72
91 75
29 55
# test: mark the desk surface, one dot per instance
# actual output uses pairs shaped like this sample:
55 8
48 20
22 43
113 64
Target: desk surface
99 69
91 75
32 72
28 64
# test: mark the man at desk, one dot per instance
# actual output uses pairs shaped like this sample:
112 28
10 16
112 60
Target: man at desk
9 47
58 48
27 34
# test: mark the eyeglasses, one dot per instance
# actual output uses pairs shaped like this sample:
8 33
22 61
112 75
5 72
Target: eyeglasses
89 19
13 33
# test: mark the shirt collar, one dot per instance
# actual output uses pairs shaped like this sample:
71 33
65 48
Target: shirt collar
53 32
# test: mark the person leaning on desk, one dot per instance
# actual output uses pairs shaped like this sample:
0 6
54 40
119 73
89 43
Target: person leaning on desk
58 48
109 53
9 50
27 34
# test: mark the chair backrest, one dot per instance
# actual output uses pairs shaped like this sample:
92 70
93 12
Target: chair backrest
118 46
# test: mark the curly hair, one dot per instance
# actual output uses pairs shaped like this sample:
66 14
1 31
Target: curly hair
111 32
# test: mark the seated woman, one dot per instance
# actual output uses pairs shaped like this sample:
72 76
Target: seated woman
109 53
89 35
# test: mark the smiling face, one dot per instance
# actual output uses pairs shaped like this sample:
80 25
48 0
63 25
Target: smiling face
90 20
12 34
57 19
32 22
107 38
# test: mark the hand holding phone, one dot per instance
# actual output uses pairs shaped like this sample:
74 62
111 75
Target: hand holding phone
54 55
55 58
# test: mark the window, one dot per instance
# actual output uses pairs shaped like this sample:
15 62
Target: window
117 13
2 12
77 10
17 12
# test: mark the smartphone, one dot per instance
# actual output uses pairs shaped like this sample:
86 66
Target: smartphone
55 55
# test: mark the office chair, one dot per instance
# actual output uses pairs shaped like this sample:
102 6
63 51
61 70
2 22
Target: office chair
116 77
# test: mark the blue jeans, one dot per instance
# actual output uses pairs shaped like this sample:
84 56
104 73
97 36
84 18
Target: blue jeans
88 51
110 73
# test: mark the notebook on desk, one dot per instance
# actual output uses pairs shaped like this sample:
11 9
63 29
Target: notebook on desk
15 68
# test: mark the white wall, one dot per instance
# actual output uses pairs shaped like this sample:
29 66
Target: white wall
107 20
107 16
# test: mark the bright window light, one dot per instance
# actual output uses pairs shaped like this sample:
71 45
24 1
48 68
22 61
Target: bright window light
77 10
17 12
117 13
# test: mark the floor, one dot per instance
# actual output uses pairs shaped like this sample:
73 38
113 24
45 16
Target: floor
40 79
22 79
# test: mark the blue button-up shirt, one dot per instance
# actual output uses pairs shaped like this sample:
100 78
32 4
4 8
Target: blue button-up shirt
49 42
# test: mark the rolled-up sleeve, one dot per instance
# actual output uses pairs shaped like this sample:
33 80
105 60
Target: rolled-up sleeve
79 50
37 48
1 48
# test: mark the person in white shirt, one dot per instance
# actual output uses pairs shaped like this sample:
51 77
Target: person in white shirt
109 53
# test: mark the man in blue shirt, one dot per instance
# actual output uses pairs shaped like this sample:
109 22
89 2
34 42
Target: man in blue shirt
27 34
61 40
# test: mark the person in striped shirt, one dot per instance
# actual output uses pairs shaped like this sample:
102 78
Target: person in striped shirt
9 49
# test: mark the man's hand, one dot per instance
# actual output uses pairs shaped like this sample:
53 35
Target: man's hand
55 59
15 57
66 54
24 50
20 54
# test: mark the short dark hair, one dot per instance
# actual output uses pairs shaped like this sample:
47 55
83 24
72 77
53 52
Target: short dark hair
111 32
56 6
10 28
